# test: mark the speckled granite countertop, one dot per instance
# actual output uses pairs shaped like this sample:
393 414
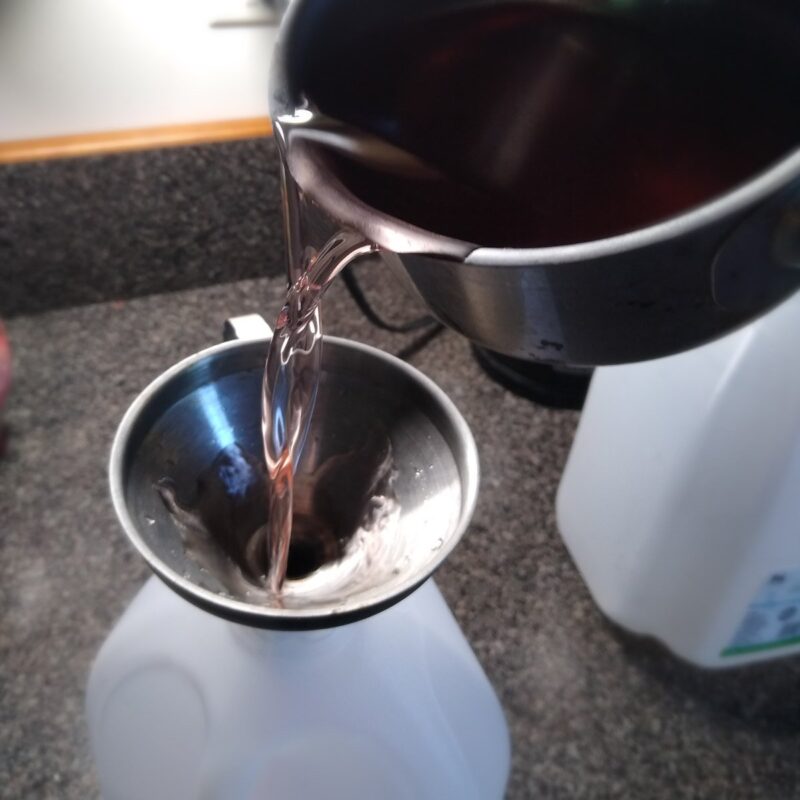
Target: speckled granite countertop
84 230
594 713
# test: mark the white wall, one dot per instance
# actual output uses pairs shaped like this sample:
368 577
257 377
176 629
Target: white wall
80 66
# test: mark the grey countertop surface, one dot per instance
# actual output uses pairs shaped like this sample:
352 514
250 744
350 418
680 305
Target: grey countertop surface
100 228
593 712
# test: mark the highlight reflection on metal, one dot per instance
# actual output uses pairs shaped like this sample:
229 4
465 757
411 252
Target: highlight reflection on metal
175 428
215 415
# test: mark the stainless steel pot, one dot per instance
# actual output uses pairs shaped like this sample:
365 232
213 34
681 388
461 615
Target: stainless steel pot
654 291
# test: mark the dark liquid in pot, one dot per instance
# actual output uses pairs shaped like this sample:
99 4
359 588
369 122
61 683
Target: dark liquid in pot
554 126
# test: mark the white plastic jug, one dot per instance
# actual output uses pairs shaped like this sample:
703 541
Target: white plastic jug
183 705
680 502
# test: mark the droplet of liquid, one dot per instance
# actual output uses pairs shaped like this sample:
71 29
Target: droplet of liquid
418 472
150 520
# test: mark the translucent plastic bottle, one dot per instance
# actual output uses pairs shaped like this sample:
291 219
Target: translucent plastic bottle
183 705
680 502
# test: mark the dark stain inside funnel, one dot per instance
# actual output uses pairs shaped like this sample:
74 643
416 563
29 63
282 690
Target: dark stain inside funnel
224 525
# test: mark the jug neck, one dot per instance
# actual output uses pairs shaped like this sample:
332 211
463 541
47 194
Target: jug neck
300 645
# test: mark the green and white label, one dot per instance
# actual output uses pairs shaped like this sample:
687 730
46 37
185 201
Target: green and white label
772 620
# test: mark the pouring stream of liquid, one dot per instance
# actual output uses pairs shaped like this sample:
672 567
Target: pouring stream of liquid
291 378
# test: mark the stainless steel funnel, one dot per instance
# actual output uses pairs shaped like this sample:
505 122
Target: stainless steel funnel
374 414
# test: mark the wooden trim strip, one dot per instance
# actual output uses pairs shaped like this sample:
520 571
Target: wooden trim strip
135 139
